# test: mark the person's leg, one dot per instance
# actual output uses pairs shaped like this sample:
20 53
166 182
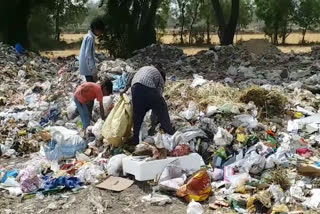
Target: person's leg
160 109
90 108
154 123
89 78
84 114
139 109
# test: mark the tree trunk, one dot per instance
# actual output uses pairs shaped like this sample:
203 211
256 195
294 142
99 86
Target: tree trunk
304 31
226 31
194 18
147 30
182 23
60 6
208 31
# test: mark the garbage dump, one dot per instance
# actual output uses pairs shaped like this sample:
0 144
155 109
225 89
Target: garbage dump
236 147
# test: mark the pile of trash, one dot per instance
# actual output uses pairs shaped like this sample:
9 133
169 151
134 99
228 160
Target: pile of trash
250 149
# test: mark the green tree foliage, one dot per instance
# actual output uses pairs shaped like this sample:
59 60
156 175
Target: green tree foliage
19 17
67 12
208 17
307 15
182 17
277 16
130 26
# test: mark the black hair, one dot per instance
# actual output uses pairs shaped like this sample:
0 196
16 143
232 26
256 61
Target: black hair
159 67
97 24
107 84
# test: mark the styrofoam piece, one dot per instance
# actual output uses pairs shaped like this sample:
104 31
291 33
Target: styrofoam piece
148 170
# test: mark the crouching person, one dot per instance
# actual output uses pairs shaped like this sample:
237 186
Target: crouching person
88 92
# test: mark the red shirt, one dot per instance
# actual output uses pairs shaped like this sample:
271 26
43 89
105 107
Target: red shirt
89 91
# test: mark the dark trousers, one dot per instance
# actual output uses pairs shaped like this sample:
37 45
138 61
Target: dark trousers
90 104
143 100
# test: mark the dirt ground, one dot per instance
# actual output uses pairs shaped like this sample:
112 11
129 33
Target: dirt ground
90 200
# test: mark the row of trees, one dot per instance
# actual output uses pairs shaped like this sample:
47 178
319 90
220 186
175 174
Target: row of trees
37 23
133 24
280 16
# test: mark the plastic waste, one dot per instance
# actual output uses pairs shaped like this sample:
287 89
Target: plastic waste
211 110
223 137
217 174
198 187
180 150
195 208
64 144
314 201
107 106
156 199
277 193
191 112
117 126
96 129
198 81
90 173
72 110
10 174
29 180
247 121
114 166
120 81
172 177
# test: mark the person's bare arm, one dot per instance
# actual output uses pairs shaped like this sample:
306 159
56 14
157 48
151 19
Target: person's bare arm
102 112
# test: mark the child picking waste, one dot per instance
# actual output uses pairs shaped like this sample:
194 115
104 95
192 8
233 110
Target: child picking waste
87 93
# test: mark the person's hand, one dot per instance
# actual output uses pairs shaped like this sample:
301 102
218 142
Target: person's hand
122 92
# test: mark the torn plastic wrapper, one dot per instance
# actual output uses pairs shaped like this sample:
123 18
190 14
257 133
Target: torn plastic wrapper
223 137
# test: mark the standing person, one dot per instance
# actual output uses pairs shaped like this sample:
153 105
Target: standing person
87 52
147 87
87 93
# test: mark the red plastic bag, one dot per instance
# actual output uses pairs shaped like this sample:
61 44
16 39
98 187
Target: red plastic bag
180 150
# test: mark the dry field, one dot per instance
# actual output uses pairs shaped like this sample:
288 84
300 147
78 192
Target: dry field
293 38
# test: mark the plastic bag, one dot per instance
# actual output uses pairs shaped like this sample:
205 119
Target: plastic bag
29 180
191 112
223 137
90 173
117 126
64 144
195 208
114 166
198 187
156 199
172 177
247 121
72 110
96 129
198 81
107 106
211 110
216 174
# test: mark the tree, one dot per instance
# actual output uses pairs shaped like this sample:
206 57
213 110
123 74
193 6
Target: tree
193 9
162 16
245 14
66 12
277 17
181 14
207 15
226 29
307 15
130 26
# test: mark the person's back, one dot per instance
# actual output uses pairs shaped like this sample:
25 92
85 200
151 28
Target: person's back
87 52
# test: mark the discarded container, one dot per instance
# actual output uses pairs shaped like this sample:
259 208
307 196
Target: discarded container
144 170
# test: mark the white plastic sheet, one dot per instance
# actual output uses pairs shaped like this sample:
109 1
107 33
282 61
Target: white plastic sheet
223 137
198 81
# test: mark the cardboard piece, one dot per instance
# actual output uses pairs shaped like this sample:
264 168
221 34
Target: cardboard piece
309 170
115 184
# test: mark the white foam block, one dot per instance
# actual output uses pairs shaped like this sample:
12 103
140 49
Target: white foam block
148 170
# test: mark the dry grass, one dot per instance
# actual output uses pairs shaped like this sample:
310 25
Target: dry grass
293 38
